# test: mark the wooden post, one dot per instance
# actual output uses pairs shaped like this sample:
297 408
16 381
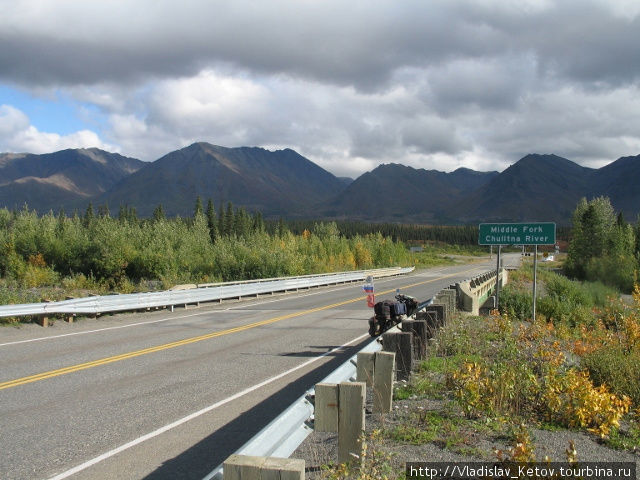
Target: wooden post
351 421
68 317
43 320
246 467
242 467
383 381
365 368
402 345
282 469
419 330
326 408
431 319
450 297
442 302
440 313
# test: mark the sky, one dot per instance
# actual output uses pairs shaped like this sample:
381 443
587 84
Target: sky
435 84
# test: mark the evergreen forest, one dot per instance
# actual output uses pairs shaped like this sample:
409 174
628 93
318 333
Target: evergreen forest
603 246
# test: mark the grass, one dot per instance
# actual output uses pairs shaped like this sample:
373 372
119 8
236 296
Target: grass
627 439
442 428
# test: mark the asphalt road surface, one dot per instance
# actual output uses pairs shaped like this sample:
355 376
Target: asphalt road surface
165 395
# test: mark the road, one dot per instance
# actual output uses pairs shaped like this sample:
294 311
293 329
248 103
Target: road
165 395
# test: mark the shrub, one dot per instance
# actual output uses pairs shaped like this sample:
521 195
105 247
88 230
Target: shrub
571 399
615 270
516 303
557 310
527 373
34 276
617 368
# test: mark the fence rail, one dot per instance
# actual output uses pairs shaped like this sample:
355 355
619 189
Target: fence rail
205 293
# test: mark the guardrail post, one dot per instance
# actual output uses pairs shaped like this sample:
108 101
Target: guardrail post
402 345
326 407
383 381
419 330
340 408
350 421
439 312
377 370
43 320
451 297
444 302
432 321
68 317
246 467
365 368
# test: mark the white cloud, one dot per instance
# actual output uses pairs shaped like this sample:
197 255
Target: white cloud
12 121
18 135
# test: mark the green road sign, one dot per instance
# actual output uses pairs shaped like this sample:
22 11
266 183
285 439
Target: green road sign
517 233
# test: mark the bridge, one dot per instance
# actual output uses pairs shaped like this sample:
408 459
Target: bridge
166 394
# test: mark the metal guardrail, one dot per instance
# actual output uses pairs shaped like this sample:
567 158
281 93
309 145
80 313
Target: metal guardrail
138 301
283 435
378 272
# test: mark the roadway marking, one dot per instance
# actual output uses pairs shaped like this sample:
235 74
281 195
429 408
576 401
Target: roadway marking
124 356
183 420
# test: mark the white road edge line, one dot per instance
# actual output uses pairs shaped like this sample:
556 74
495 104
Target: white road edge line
100 329
171 318
179 422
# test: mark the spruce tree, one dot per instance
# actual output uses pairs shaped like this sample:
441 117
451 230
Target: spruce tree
88 215
221 221
198 210
229 220
158 213
211 221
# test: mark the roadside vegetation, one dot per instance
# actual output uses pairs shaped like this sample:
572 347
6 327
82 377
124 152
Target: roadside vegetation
492 385
53 256
507 387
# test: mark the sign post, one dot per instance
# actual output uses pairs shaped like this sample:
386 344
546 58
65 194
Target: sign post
498 278
532 233
535 279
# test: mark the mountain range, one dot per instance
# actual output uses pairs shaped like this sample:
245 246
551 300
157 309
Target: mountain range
58 179
284 183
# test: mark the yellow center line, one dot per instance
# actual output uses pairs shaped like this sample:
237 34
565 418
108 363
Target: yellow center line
187 341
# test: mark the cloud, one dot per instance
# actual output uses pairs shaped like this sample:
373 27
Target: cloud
18 135
439 84
348 44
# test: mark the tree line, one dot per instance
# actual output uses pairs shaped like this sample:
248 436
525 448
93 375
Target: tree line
221 244
407 233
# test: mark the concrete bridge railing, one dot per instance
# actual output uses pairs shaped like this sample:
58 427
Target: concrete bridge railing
474 292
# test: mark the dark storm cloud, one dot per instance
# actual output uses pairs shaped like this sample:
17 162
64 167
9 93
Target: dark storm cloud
439 83
357 43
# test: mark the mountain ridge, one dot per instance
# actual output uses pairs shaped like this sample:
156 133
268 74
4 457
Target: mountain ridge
60 178
538 187
276 183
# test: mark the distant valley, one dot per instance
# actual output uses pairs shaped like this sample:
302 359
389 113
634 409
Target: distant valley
284 183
